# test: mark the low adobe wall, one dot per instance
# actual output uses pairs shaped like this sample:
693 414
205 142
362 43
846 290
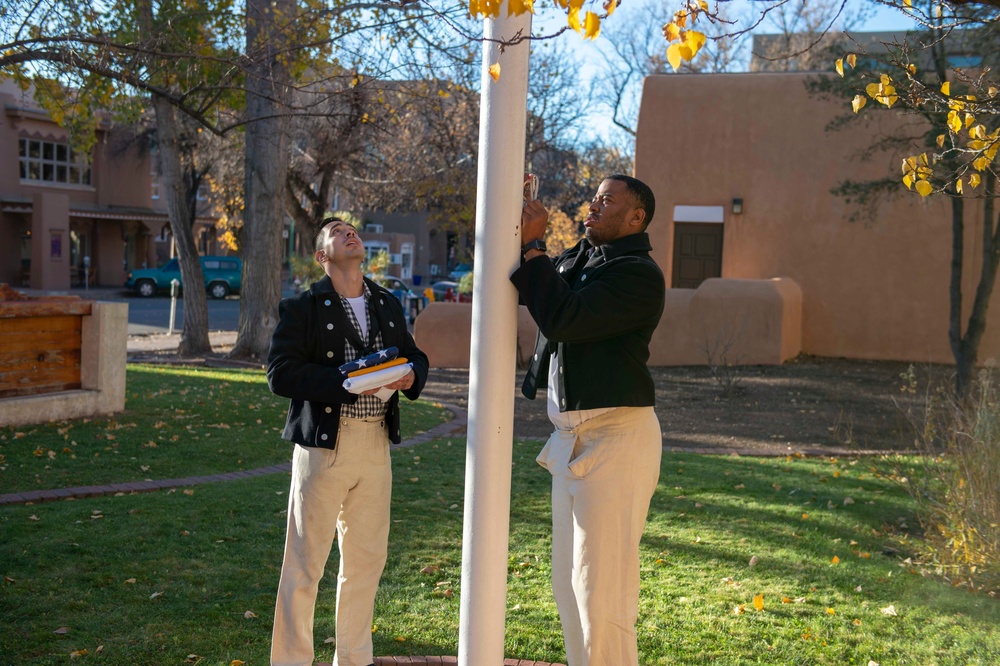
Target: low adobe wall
735 322
47 382
443 331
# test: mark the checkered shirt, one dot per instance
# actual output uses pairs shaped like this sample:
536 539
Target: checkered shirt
367 405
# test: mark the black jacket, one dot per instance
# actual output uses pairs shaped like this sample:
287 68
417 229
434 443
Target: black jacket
601 313
307 349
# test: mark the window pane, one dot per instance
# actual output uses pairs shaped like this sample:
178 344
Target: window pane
62 152
48 172
34 171
48 150
61 175
86 177
35 149
74 175
22 147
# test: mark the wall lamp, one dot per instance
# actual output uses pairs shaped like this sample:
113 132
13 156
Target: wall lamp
737 206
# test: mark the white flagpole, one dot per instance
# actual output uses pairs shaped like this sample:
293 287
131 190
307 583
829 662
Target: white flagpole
502 120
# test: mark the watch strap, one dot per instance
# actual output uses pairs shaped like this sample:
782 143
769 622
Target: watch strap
537 244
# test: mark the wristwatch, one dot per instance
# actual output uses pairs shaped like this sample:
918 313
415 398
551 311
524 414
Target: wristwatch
537 244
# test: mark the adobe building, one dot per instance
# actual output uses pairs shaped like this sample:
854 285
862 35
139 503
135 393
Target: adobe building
746 225
60 212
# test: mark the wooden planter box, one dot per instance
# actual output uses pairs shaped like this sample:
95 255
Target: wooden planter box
60 357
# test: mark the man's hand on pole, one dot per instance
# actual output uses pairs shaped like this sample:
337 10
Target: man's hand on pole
534 220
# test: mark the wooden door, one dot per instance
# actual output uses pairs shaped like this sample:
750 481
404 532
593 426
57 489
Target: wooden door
697 254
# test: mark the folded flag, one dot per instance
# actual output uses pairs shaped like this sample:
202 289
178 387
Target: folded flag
387 354
381 366
372 380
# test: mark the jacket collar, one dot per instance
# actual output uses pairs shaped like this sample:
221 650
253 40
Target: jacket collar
325 286
630 244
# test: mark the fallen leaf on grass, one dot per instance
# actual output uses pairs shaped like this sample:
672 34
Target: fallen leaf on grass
249 615
8 579
61 631
77 653
889 610
739 610
33 517
758 602
193 658
130 581
330 639
155 594
835 560
856 622
429 569
400 639
236 662
872 663
189 492
830 611
754 561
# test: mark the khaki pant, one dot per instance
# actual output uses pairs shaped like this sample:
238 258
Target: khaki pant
604 473
344 492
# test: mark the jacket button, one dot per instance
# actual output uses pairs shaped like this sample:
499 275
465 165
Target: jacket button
329 327
327 302
562 269
392 324
583 277
324 437
328 410
536 357
329 354
381 301
560 369
564 402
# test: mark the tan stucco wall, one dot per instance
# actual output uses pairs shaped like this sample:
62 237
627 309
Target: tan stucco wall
443 331
877 290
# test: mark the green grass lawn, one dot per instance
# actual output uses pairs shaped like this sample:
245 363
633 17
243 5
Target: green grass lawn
157 577
177 422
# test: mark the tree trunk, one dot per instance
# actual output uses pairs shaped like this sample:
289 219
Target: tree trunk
194 334
965 359
266 166
180 211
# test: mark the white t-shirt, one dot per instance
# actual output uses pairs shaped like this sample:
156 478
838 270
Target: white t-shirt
567 420
361 313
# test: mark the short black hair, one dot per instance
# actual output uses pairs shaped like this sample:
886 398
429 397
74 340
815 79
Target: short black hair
328 218
640 191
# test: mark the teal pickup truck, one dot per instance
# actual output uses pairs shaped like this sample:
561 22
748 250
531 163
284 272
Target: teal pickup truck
223 276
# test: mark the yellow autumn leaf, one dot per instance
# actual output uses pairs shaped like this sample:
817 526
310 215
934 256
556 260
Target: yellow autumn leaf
992 92
694 40
495 72
974 180
940 140
830 611
236 662
851 60
908 181
873 90
473 8
610 6
885 79
786 600
805 516
703 4
980 163
958 186
672 32
839 66
738 610
835 560
954 122
924 188
946 88
518 7
909 164
978 132
969 119
680 18
911 68
591 25
573 19
674 56
908 3
758 602
858 103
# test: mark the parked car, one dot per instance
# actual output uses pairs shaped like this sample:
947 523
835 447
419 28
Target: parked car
442 288
223 276
459 271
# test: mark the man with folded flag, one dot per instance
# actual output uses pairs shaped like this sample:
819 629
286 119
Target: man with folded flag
341 475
